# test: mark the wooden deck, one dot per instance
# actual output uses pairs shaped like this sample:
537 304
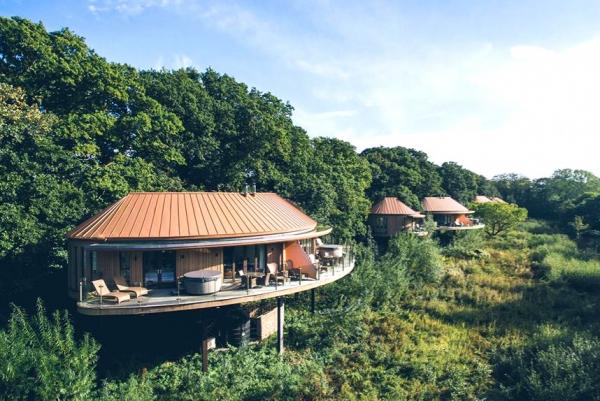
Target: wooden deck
167 300
460 228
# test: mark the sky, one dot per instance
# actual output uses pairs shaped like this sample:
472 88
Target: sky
496 86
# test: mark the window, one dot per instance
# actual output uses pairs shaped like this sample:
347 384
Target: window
125 265
308 246
380 225
250 253
94 264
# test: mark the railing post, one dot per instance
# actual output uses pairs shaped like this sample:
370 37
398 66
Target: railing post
80 290
280 311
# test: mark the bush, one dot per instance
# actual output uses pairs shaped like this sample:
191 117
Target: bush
42 360
248 373
419 259
566 370
466 245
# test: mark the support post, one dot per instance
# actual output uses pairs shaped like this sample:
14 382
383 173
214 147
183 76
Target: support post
280 311
204 349
312 301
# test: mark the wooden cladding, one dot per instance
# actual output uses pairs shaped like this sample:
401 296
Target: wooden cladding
108 264
199 259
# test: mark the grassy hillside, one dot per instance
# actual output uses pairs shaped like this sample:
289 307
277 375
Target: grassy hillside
507 319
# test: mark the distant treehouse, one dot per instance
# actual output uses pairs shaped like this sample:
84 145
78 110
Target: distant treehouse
391 216
448 214
170 251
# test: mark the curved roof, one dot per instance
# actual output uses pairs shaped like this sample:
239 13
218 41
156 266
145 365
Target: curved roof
482 199
443 205
193 215
393 205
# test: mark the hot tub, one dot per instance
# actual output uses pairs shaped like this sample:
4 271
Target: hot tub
202 282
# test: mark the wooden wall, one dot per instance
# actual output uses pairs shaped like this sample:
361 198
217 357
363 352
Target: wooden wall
135 265
199 259
398 223
107 263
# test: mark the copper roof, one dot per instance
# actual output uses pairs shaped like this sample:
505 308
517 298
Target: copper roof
194 215
443 205
393 205
486 199
482 199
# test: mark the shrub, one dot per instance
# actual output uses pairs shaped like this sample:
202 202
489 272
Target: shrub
42 360
466 245
564 370
419 259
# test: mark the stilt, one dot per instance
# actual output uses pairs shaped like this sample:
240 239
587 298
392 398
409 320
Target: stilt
280 311
312 301
204 349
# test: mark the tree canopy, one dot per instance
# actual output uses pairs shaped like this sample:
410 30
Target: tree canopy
500 217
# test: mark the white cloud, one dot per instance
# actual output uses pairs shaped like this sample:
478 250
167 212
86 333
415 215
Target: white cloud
493 108
176 62
128 7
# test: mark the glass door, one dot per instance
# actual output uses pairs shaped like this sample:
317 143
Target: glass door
159 268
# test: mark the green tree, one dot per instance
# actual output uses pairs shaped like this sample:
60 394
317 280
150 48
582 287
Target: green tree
405 173
500 217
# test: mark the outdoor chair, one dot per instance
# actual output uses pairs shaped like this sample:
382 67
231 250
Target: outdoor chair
247 281
280 277
103 292
122 286
295 272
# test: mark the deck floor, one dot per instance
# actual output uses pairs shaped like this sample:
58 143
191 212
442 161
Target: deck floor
167 300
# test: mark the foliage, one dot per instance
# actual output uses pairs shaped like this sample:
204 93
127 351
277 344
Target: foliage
410 176
401 172
42 360
552 369
500 217
466 245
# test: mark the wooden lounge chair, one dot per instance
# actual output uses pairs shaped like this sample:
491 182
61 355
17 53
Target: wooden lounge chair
122 286
103 291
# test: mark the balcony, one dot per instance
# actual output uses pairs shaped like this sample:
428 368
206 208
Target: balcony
233 291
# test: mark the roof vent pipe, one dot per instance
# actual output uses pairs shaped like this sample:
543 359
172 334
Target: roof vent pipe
245 192
253 189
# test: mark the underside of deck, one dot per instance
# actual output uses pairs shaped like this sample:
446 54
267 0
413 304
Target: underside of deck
167 300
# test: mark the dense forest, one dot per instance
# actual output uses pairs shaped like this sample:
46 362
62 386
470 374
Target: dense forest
506 317
79 132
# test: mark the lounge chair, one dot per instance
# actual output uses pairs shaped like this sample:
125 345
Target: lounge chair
122 286
103 291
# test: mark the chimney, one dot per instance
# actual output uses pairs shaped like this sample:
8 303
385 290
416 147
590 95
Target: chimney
253 189
245 191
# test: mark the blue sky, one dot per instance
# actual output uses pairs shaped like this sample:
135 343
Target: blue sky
497 86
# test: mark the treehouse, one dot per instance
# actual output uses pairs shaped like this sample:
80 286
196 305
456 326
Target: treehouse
164 252
448 214
390 216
